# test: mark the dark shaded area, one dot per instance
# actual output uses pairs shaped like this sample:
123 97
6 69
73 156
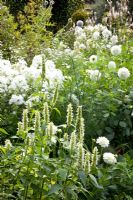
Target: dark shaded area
15 6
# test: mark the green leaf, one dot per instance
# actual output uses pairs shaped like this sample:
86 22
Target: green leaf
3 131
82 177
58 112
94 182
62 174
122 124
106 115
55 189
2 149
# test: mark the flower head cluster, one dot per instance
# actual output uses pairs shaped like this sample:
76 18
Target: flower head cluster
8 144
17 99
55 76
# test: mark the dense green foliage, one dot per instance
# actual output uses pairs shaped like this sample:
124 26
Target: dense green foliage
66 100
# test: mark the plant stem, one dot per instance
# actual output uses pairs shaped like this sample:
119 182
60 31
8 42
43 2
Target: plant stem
41 189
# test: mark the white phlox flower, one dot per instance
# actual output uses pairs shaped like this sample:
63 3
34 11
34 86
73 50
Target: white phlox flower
19 82
3 84
17 99
37 61
102 141
32 73
55 76
49 65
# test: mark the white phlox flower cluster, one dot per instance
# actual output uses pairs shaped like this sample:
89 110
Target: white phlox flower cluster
3 84
109 158
54 76
103 142
17 99
38 61
19 83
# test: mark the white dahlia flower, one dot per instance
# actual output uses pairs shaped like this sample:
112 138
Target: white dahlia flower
103 142
111 65
80 23
96 35
109 158
93 59
116 50
123 73
94 74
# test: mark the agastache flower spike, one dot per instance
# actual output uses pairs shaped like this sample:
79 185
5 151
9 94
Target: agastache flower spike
51 129
46 113
25 120
87 164
65 137
81 130
69 114
72 142
37 121
94 157
78 116
81 154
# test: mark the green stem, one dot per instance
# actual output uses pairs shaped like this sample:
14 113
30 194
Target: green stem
41 189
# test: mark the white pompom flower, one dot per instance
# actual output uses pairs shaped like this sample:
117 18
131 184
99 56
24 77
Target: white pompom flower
111 65
80 23
123 73
116 50
93 58
95 75
96 35
109 158
102 141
